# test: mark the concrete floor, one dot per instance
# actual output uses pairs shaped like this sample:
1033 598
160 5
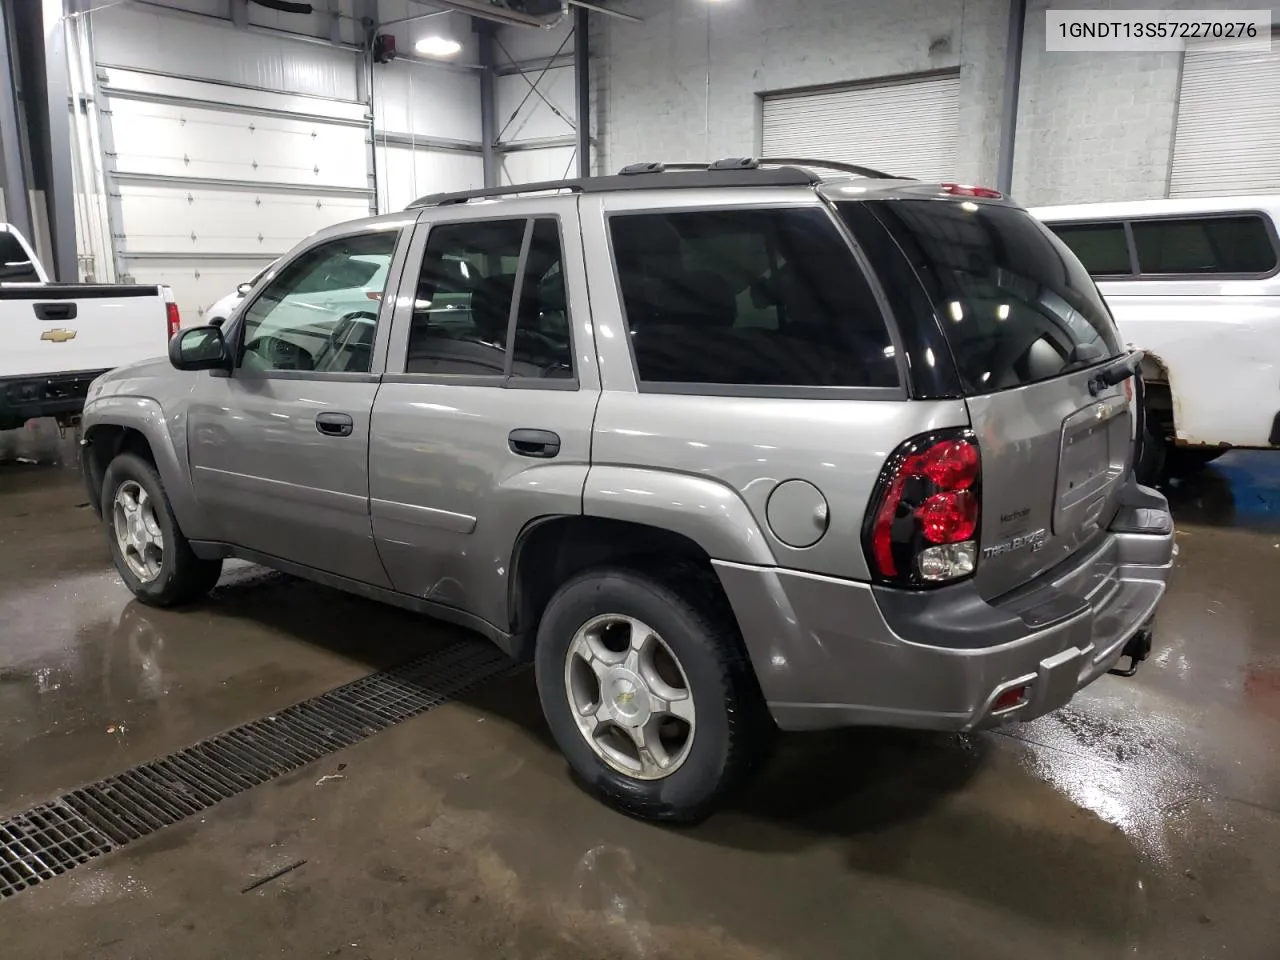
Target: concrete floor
1143 820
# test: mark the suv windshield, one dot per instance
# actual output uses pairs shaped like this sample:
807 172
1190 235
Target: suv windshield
1015 304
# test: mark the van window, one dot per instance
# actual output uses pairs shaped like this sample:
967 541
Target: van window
1015 303
1204 245
1101 247
750 298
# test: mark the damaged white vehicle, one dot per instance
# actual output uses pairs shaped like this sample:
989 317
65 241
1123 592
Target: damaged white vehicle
1195 283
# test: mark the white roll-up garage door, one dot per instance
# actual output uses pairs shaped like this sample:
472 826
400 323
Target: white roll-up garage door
906 127
214 171
1228 135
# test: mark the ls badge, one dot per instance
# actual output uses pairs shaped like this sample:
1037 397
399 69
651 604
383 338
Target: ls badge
1034 540
59 335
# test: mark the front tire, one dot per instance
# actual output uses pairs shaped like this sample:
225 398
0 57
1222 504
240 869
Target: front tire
648 691
151 555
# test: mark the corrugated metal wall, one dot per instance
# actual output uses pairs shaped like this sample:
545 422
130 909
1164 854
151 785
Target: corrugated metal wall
907 127
225 146
536 127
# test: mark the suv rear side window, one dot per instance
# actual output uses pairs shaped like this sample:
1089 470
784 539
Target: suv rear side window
1204 245
1016 305
462 312
749 297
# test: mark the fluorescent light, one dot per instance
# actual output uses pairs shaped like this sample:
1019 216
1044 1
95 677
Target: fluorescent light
436 46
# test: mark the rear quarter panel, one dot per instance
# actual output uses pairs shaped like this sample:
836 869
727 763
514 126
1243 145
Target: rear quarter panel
751 445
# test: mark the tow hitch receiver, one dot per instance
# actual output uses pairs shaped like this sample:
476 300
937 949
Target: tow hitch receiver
1137 650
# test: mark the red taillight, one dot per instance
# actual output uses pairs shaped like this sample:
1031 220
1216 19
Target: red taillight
172 318
925 516
965 190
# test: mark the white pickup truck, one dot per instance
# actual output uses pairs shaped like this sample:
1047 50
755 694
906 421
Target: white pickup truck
55 338
1194 282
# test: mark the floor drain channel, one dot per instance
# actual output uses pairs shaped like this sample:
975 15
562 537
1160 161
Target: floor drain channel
51 839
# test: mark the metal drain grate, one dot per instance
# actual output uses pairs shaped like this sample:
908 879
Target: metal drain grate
51 839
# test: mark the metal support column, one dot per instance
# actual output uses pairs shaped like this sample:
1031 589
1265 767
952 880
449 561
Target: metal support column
488 102
582 87
58 179
1009 98
17 208
368 13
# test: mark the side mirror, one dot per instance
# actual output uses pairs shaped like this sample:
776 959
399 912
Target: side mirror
199 348
244 288
217 321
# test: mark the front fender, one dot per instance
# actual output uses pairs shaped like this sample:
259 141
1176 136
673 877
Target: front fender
167 440
706 511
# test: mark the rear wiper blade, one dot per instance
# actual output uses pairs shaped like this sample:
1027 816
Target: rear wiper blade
1117 372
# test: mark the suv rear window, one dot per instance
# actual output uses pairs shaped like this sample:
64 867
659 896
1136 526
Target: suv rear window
749 298
1015 303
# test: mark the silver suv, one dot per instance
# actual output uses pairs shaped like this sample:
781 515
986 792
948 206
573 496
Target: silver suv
718 449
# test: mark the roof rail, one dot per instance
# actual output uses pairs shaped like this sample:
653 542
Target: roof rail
729 171
835 165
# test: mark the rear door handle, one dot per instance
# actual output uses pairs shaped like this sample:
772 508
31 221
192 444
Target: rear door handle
55 311
542 444
334 424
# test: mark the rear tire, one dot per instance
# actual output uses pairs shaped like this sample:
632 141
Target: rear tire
151 555
1149 464
728 731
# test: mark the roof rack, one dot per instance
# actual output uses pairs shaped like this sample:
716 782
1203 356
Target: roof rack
728 172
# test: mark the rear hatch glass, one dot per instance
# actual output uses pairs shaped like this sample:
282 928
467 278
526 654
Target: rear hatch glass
1027 329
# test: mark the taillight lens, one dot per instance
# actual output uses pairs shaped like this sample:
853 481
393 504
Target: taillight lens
172 318
923 524
966 190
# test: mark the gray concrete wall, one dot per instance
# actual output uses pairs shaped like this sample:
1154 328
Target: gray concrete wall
683 85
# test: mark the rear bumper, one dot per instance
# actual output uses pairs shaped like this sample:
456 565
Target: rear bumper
834 653
45 395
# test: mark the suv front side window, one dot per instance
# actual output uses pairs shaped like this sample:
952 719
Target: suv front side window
320 312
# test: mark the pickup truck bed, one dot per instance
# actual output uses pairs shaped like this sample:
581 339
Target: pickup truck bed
58 337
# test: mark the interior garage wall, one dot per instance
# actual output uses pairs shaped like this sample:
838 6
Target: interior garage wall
1097 126
684 84
222 146
426 113
536 130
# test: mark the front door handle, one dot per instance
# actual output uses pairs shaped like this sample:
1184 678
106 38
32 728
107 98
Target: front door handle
334 424
542 444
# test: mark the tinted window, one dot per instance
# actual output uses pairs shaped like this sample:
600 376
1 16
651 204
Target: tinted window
542 347
1101 247
749 297
320 311
463 303
1015 303
1204 245
15 263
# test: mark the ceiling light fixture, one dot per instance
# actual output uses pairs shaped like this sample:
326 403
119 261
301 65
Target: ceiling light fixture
437 46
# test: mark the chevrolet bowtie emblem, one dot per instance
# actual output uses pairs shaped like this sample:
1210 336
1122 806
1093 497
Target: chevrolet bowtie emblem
59 335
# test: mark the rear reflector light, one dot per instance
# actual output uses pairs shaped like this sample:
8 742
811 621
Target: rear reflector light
1013 697
172 318
923 524
965 190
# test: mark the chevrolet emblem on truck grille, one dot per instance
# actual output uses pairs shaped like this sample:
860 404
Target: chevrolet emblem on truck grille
59 335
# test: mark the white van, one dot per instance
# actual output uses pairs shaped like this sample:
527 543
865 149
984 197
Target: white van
1195 283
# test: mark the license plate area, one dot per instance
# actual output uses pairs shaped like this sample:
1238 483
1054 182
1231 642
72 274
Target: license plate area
1094 449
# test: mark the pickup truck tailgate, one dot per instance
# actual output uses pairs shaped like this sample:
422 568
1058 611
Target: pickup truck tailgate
57 328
